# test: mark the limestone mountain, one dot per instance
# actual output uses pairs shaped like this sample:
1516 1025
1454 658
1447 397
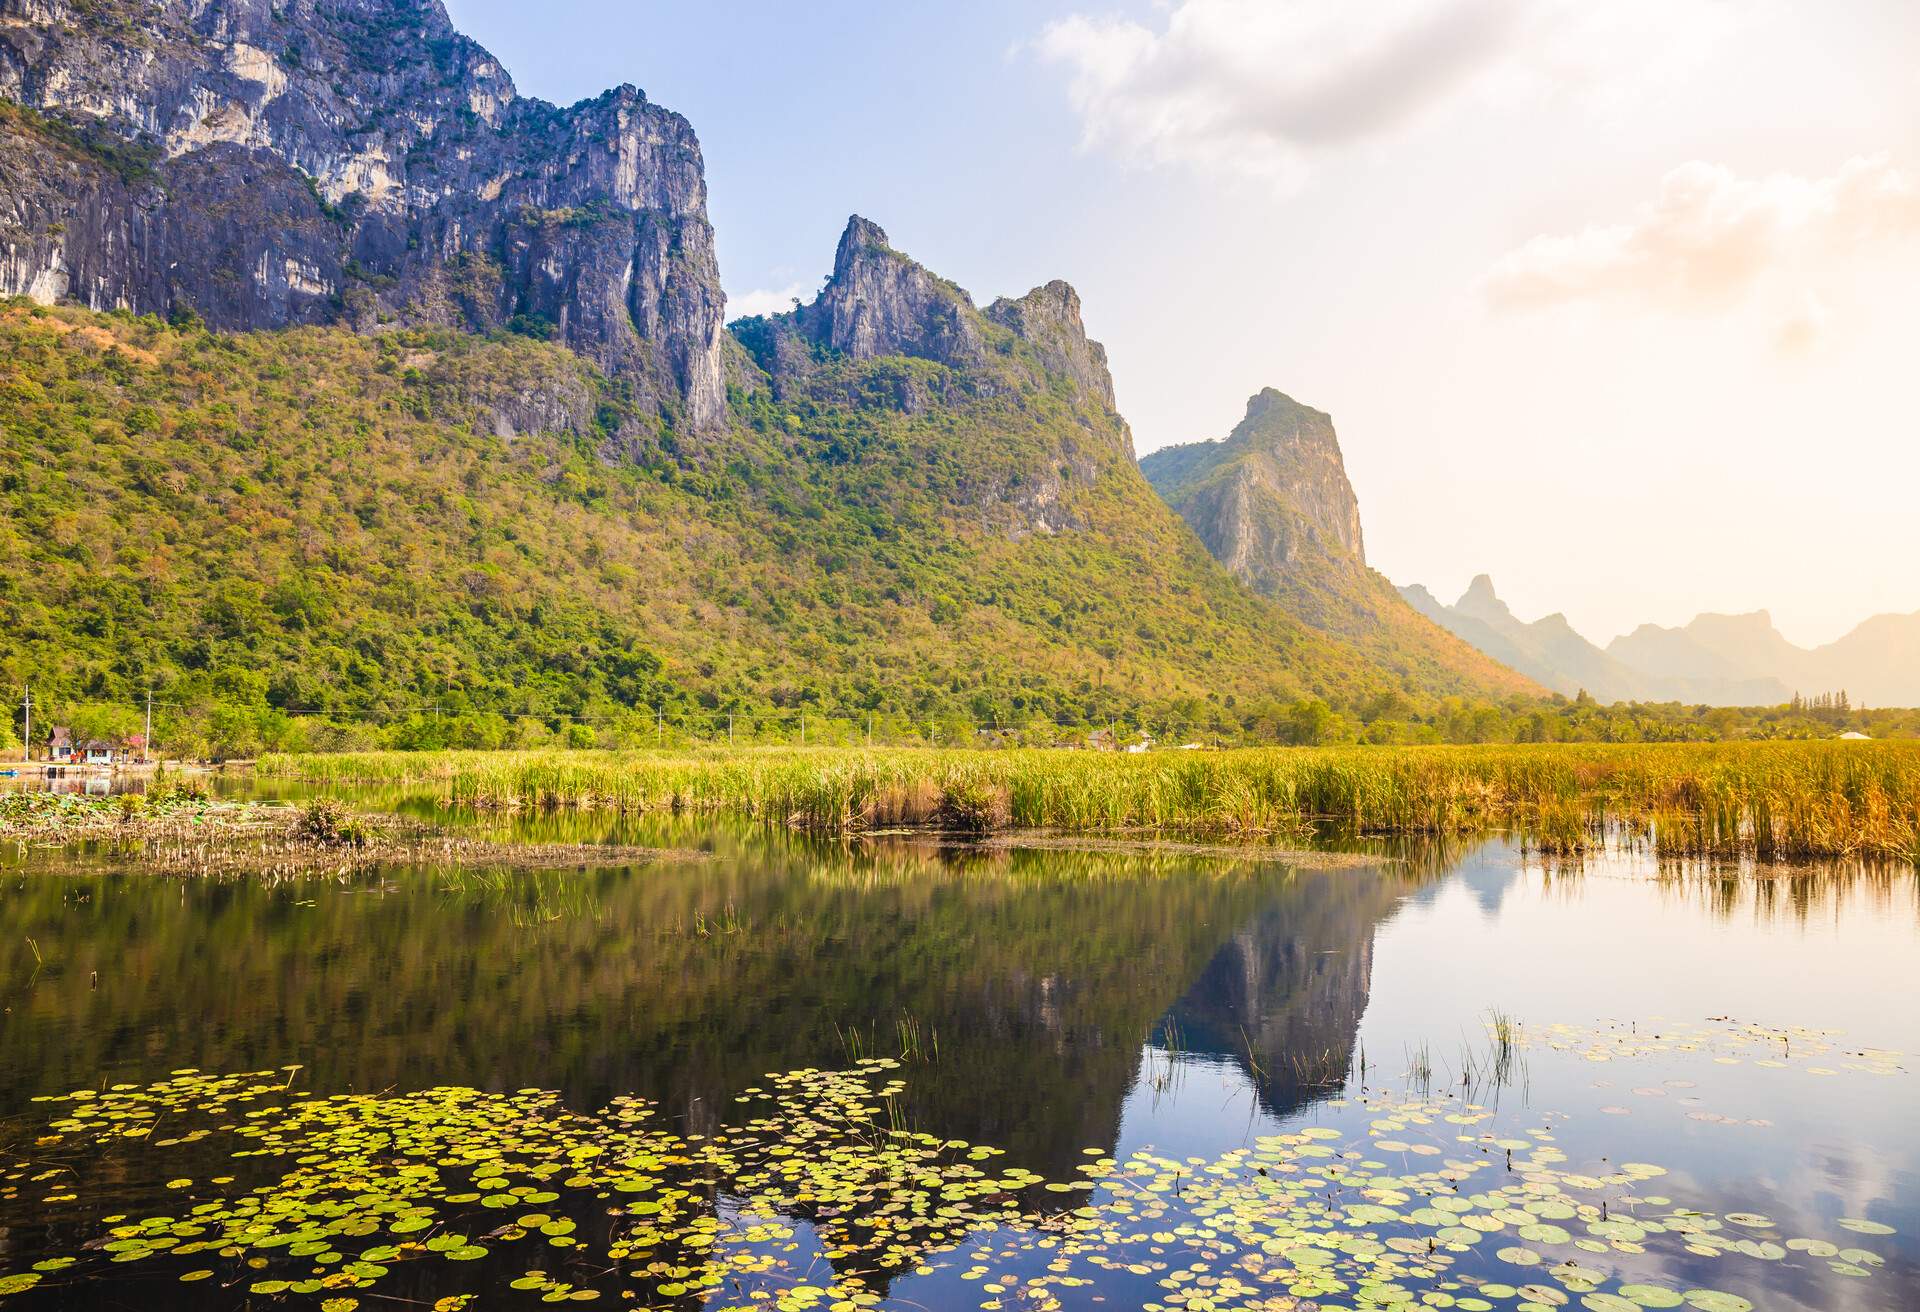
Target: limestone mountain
1054 459
1876 664
1272 503
1040 475
271 163
1716 660
358 523
1715 647
1547 650
347 380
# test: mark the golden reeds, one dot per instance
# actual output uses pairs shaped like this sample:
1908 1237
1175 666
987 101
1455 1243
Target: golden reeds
1781 801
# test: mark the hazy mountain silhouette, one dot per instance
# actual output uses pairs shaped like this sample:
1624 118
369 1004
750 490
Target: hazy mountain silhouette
1718 660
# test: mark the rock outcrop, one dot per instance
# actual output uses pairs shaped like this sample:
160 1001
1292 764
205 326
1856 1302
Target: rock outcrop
1049 319
266 163
879 302
880 305
1272 502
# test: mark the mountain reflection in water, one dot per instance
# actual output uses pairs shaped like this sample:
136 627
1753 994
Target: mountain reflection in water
1046 1002
1034 975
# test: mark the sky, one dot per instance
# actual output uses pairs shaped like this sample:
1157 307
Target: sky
1614 302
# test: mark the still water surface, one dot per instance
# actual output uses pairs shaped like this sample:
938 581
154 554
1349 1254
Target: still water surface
1187 1017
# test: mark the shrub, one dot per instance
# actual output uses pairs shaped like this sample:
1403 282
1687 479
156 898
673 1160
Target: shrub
329 824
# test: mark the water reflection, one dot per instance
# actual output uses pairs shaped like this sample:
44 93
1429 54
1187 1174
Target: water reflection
74 781
1020 985
1035 975
1283 995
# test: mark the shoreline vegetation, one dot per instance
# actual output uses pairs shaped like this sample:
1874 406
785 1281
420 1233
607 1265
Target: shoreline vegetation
1767 801
180 831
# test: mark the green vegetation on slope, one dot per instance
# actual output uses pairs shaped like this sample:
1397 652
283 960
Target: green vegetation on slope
431 538
1774 800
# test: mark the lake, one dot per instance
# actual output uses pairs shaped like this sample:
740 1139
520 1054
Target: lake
1434 1075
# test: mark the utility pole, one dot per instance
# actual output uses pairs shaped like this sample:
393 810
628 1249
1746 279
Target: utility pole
803 727
26 734
659 726
729 730
146 744
869 730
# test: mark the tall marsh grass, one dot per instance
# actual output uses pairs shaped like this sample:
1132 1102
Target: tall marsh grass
1775 801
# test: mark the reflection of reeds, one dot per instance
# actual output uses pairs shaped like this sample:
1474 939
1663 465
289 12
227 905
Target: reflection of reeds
1563 828
1776 801
1506 1046
1476 1075
1323 1069
1254 1068
1420 1068
915 1040
529 899
1506 1031
1165 1051
918 1041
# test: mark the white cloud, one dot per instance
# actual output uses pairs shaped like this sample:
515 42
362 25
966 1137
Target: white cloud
776 300
1710 236
1257 87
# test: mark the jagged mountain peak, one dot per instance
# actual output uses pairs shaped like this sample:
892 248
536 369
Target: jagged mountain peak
861 239
1049 317
1270 403
1482 600
1284 456
880 302
1276 422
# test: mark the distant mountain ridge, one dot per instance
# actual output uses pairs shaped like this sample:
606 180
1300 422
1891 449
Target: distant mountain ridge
1718 660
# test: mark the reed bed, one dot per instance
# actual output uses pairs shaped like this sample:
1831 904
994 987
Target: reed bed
193 836
1775 801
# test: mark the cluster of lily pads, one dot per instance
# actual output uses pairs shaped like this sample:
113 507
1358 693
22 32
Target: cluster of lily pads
1723 1040
820 1196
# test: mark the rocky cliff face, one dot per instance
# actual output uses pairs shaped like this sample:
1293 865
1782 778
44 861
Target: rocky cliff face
879 302
880 308
1272 501
1048 318
265 163
1273 504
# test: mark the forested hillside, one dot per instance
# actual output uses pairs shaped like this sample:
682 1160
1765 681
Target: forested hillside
429 535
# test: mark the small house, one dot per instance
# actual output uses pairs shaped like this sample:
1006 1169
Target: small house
60 745
99 751
1856 737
